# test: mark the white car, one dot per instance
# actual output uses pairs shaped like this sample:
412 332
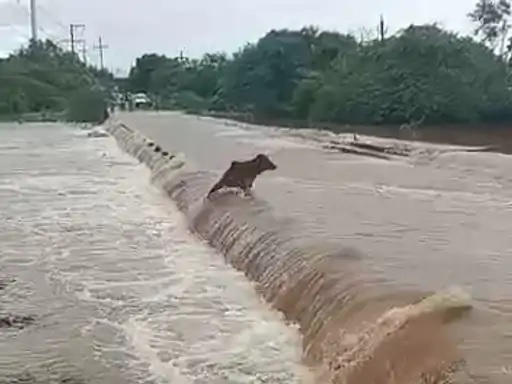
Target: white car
141 99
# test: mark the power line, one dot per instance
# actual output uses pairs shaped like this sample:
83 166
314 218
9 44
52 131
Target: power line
42 11
76 34
82 50
100 47
39 28
21 31
82 42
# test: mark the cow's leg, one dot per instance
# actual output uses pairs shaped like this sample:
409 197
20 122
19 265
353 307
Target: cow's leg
247 190
215 188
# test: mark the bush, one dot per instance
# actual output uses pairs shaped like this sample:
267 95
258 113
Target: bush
86 106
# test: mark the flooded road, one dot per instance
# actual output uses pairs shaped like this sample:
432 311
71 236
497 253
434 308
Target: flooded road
421 223
120 290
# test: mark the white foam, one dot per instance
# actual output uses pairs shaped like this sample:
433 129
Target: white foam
185 314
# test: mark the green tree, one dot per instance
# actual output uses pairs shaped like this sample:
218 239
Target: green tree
421 73
141 74
492 20
42 77
86 105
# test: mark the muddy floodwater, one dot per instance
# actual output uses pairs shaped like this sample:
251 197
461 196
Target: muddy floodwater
437 218
123 292
120 291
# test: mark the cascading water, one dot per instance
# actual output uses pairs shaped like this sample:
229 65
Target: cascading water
355 329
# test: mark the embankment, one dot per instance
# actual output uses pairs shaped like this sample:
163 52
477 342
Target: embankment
355 329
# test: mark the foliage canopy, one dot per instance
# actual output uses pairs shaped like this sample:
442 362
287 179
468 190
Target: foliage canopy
43 78
421 73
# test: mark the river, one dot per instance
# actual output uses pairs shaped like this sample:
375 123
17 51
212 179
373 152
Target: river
432 220
120 290
124 293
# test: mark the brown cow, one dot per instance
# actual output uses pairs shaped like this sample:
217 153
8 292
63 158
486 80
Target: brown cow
241 174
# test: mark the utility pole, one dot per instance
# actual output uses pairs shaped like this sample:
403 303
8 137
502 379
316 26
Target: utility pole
381 28
72 35
33 20
100 47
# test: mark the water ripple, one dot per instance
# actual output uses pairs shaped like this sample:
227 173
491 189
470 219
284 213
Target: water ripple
122 293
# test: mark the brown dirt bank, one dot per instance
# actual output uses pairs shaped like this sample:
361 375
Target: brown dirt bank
498 137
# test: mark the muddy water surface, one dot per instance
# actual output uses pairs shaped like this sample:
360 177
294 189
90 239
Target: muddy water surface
424 222
120 290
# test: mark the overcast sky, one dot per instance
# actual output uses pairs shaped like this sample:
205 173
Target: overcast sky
133 27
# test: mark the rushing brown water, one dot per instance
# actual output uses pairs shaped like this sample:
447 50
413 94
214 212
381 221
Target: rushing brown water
121 291
435 219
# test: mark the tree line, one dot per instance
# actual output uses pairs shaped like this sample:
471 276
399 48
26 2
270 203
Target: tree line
422 73
47 82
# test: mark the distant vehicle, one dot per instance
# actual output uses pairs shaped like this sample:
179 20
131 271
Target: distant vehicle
141 100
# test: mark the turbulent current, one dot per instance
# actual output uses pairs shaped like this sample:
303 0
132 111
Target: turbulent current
355 329
120 291
346 266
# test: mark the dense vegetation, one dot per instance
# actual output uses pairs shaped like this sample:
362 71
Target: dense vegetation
421 73
44 81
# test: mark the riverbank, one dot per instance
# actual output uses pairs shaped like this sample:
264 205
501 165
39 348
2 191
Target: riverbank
494 138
